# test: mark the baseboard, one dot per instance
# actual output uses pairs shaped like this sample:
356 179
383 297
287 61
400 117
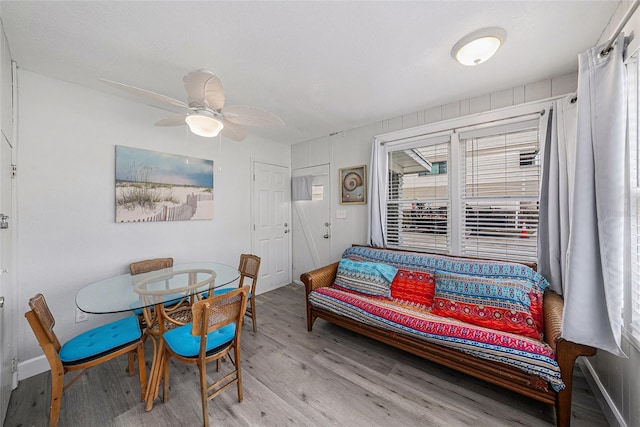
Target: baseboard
609 409
32 367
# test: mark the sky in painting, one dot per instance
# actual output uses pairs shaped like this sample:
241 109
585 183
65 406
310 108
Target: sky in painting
134 164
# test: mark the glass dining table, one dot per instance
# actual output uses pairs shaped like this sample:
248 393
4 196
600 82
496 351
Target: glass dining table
118 294
148 295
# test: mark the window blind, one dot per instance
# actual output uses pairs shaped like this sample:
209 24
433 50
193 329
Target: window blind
418 208
500 179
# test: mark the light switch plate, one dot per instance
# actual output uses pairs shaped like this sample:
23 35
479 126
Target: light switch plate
341 214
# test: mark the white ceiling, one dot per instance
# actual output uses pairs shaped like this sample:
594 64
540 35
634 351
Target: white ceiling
321 66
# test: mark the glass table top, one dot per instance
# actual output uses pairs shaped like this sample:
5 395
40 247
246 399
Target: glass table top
127 292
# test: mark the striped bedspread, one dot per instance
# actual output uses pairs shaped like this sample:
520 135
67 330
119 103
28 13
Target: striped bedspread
529 355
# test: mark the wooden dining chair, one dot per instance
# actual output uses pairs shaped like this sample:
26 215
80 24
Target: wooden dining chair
148 265
84 351
248 268
141 267
213 334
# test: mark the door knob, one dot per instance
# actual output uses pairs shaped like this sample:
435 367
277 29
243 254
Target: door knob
1 302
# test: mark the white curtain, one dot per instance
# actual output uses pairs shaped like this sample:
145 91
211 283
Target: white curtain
377 185
585 209
558 127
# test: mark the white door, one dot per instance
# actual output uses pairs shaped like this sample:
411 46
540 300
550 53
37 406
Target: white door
7 317
311 232
272 225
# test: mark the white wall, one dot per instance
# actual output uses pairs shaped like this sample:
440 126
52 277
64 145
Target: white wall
353 147
67 236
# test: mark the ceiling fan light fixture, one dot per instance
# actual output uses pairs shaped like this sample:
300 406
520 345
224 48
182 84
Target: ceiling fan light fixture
479 46
203 125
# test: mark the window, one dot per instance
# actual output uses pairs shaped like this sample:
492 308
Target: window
417 197
317 192
499 193
472 190
437 168
530 158
632 285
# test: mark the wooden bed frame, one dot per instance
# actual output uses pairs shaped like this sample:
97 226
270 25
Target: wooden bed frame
494 372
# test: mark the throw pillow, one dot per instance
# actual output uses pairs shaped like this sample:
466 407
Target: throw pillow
496 303
415 287
369 278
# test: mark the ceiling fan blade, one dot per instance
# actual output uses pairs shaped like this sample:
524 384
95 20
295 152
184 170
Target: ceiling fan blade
146 94
250 116
176 120
204 89
233 131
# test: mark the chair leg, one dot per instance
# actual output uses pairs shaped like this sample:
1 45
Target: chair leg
132 356
253 314
57 386
131 364
142 369
203 392
165 389
236 354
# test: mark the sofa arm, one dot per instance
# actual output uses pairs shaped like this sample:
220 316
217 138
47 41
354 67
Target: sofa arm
553 304
566 353
319 278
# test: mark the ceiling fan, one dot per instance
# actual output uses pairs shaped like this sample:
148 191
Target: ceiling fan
205 113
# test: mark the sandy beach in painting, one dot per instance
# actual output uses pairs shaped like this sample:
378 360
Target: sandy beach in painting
178 194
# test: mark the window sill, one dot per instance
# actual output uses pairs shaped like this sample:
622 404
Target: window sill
633 340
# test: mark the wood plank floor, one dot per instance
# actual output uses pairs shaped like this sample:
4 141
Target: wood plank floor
292 377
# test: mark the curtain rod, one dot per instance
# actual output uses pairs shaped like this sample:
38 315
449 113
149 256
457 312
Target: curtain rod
609 46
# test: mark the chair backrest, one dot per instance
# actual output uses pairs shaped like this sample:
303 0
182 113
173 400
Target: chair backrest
42 322
249 268
218 311
148 265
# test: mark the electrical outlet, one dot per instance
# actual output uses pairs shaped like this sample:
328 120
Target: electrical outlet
81 316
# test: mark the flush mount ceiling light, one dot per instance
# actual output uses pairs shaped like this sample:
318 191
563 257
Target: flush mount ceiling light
477 47
203 124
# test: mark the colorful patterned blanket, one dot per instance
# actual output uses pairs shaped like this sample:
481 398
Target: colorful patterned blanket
430 262
529 355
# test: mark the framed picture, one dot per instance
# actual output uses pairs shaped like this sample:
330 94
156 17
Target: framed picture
152 186
353 185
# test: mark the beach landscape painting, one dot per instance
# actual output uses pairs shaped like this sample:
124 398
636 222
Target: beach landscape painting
154 186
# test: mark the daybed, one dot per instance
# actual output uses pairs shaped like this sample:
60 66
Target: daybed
458 312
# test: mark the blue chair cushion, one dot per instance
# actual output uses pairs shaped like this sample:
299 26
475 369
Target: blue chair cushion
183 343
101 339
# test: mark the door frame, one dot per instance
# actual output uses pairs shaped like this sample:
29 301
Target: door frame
328 195
253 207
9 287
